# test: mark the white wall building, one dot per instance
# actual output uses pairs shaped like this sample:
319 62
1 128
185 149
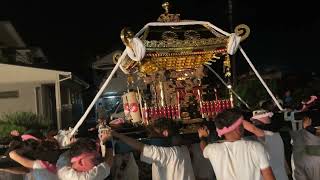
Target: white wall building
55 95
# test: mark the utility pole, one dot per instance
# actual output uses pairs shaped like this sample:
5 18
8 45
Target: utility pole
231 28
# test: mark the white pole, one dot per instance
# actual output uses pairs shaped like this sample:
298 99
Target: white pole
140 103
98 94
58 101
142 30
261 80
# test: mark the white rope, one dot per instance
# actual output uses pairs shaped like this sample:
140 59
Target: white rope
141 30
233 44
136 51
224 83
261 80
98 94
218 29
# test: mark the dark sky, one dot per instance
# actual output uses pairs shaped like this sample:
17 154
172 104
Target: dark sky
72 33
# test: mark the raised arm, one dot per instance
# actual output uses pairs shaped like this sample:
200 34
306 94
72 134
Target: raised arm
21 159
253 129
203 133
130 141
105 136
267 174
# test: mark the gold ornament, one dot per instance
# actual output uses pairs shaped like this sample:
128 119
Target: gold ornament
167 17
148 68
227 66
126 36
243 31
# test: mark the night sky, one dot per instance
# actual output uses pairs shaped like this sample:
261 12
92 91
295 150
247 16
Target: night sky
71 34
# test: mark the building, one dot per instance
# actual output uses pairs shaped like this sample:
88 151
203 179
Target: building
56 95
13 49
103 67
110 100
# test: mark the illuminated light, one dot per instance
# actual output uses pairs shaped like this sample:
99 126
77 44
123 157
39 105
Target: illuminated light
229 86
181 78
110 97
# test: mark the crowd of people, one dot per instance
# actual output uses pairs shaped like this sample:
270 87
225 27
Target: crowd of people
44 159
236 148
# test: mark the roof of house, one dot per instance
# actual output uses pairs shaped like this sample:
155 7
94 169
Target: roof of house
20 74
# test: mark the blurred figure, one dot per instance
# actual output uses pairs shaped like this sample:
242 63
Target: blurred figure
201 166
272 141
125 167
288 100
43 160
306 152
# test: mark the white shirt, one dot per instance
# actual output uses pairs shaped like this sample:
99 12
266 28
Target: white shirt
275 147
39 172
239 160
168 163
66 172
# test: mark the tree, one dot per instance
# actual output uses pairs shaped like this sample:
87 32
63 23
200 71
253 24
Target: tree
252 91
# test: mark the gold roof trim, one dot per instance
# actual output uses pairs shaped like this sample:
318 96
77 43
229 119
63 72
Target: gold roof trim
153 44
186 53
151 65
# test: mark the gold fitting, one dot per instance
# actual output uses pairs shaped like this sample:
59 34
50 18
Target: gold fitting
126 36
166 6
130 79
243 31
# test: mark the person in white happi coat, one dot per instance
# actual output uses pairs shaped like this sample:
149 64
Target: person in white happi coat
235 158
168 163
